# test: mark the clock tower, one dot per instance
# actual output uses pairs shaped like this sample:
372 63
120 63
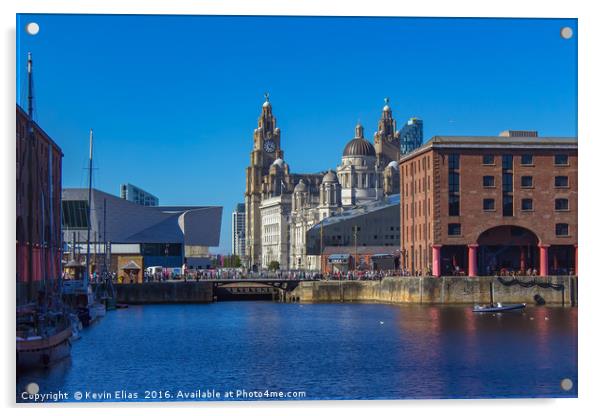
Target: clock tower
266 149
387 141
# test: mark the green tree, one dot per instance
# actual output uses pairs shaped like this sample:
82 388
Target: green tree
274 265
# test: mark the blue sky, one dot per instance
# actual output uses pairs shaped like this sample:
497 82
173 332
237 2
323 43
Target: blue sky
173 100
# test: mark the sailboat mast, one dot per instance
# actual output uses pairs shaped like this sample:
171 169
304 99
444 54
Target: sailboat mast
29 86
104 233
89 212
31 173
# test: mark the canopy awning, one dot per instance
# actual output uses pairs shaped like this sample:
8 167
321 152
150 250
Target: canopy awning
131 265
382 256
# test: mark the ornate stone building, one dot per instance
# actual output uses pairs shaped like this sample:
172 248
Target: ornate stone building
281 206
269 189
359 173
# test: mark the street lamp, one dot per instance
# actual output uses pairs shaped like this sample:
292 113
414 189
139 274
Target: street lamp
355 229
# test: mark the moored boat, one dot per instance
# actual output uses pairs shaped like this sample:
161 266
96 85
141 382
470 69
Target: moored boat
498 307
41 344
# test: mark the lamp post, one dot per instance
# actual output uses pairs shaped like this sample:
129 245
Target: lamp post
355 245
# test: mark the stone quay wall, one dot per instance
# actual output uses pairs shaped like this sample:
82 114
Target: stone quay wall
432 290
164 292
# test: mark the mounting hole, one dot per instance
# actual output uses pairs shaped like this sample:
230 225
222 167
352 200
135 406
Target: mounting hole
32 388
566 32
32 28
566 384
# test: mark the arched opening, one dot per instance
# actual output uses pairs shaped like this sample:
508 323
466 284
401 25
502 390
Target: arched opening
508 249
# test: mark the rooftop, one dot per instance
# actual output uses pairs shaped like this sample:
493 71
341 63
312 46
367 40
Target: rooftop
359 210
506 142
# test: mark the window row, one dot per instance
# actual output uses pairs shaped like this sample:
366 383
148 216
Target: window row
525 181
526 204
561 159
455 229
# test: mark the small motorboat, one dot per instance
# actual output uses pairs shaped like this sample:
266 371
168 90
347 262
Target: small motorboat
498 307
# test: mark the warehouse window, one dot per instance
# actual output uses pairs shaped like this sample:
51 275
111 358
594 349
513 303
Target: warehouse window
488 160
526 204
561 181
561 204
454 229
488 181
488 204
561 159
526 160
562 229
526 181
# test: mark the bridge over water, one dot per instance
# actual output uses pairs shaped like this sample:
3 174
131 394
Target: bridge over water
198 291
253 289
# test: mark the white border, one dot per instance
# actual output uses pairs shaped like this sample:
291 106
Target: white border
590 139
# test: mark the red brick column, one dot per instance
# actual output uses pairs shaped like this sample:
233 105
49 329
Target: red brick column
437 260
543 259
523 262
472 260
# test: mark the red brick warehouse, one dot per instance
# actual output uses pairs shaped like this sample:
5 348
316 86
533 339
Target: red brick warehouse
488 205
38 227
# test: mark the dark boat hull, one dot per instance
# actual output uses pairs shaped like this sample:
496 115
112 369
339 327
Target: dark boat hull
504 308
43 352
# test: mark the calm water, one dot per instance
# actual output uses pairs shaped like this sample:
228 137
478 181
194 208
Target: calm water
329 351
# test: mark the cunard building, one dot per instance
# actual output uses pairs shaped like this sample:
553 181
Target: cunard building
282 206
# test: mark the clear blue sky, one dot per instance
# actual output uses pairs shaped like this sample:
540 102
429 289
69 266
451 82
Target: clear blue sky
173 100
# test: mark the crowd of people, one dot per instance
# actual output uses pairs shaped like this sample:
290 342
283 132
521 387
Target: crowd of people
238 273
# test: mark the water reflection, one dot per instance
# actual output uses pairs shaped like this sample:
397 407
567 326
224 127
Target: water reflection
332 351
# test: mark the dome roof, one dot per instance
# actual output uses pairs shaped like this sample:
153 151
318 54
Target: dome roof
359 147
301 187
393 164
330 177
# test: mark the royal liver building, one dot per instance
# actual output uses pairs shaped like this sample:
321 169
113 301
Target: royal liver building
281 206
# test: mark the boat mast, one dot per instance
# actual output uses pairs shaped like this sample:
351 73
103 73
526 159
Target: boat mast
104 234
30 149
86 277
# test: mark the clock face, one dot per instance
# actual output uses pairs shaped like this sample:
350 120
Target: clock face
269 146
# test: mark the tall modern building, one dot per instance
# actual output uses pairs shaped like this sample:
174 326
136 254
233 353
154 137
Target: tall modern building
238 230
138 196
411 135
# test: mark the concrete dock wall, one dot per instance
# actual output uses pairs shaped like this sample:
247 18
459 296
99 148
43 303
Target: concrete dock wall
431 290
166 292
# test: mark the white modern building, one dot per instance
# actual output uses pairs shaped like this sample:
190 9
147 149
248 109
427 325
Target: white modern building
275 217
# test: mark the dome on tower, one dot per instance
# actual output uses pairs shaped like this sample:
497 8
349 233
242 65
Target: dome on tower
330 177
278 162
359 147
301 187
393 165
